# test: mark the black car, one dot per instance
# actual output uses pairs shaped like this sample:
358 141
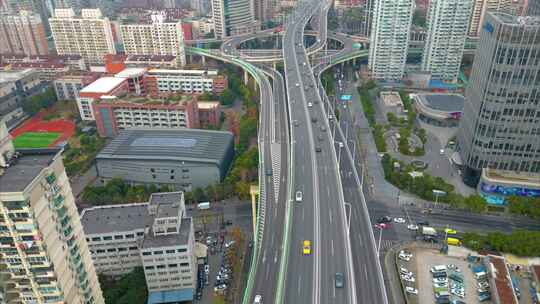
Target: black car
423 223
268 172
384 219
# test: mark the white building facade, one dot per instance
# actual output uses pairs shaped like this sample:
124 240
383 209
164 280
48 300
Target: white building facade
158 38
233 17
448 22
389 39
89 35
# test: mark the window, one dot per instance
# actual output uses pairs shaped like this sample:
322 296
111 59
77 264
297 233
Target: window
173 265
182 250
184 264
107 238
111 250
140 233
147 253
158 252
130 236
149 267
96 239
160 266
118 237
122 249
133 248
169 251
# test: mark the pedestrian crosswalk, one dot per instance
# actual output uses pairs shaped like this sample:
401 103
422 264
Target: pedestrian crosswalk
387 244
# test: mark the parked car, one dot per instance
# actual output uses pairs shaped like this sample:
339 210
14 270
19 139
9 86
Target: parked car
411 290
384 219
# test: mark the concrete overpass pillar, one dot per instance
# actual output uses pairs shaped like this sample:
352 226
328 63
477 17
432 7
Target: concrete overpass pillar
246 78
254 191
203 60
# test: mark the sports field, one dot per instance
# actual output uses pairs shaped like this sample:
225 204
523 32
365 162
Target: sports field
38 133
35 139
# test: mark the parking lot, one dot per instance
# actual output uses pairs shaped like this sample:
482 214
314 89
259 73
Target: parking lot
420 278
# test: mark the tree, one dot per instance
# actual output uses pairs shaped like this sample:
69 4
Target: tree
33 104
199 195
130 289
475 203
227 97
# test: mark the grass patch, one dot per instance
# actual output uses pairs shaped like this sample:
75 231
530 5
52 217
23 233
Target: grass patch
35 140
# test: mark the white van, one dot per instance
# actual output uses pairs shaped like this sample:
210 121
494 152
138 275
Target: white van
480 275
438 268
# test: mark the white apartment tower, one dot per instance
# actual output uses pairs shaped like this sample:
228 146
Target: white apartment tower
389 39
233 17
448 21
158 38
481 7
89 35
44 257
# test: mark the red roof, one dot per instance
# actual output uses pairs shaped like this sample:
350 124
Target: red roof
502 281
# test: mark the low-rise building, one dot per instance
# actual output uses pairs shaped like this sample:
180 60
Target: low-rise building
156 235
103 87
47 71
165 82
209 113
497 185
116 63
181 158
74 62
438 109
500 281
15 86
135 80
68 86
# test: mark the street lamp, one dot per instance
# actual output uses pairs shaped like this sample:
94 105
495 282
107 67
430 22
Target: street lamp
437 193
340 144
354 149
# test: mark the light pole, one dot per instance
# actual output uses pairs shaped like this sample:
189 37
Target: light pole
354 149
350 215
340 144
379 242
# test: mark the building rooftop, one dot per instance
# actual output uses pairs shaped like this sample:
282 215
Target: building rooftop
168 203
153 58
169 144
443 102
516 20
501 276
177 239
103 85
8 76
131 72
114 218
183 72
391 99
208 104
25 168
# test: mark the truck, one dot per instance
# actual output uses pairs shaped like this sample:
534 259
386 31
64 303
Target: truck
428 231
453 241
203 206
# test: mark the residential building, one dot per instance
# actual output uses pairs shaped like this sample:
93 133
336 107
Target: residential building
448 22
15 86
73 62
501 116
155 235
158 38
181 158
163 82
481 7
22 33
46 71
104 87
68 86
116 63
43 245
88 35
233 17
389 39
113 115
202 27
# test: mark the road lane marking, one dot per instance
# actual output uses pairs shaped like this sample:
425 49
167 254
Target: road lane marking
330 215
299 286
302 214
332 243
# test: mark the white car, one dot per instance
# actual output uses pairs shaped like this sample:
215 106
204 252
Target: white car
412 227
458 292
399 220
258 299
297 84
406 253
440 280
408 278
309 104
411 290
440 285
405 258
405 271
298 196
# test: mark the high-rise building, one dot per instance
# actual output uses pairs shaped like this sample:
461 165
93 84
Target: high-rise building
533 8
233 17
481 7
42 245
22 33
389 38
158 38
500 127
89 35
448 21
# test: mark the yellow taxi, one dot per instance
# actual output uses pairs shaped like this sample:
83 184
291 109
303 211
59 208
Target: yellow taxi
450 231
306 248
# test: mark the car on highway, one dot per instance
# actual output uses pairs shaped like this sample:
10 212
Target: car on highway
412 227
258 299
423 223
298 196
338 278
381 226
268 172
399 220
320 137
384 219
411 290
450 231
313 119
306 247
309 104
297 84
318 149
323 129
